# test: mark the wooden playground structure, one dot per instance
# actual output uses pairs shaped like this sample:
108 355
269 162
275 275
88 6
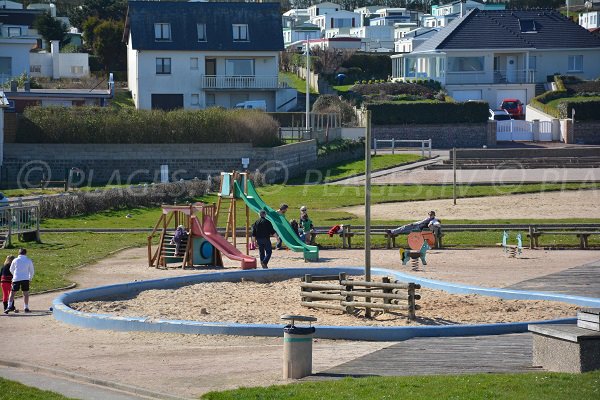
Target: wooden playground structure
227 195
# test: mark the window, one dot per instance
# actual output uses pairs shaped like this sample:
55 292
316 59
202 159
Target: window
240 32
195 99
575 63
14 31
77 69
210 99
533 63
465 64
236 67
35 68
194 63
6 66
163 66
162 32
342 22
201 28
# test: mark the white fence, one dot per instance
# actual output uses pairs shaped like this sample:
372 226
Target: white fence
380 144
516 130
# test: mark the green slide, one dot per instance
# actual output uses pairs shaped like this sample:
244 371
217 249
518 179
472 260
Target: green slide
280 223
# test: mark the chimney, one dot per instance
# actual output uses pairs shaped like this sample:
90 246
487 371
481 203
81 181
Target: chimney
55 52
52 10
14 86
27 86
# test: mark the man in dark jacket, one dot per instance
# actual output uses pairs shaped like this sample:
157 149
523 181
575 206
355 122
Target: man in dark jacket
262 230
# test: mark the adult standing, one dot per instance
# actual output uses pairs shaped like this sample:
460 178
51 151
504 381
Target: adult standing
282 209
22 271
262 230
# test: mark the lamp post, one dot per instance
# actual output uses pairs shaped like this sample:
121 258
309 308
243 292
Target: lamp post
307 82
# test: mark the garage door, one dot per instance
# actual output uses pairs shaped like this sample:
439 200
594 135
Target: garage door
464 95
520 94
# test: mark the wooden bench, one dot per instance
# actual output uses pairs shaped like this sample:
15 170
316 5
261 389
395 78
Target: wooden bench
582 233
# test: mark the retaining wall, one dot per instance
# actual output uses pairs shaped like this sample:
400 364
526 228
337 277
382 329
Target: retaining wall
520 153
442 135
131 163
586 132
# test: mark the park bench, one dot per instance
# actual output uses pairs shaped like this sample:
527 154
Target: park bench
582 232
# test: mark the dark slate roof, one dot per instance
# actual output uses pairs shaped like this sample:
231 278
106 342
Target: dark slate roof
19 17
263 19
503 29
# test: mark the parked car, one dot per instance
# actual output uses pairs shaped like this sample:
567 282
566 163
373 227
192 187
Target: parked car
514 107
499 115
253 104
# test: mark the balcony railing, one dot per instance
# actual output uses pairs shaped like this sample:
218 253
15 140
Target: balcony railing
241 82
497 77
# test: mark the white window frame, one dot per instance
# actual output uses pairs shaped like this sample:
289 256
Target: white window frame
240 33
201 29
194 63
575 63
10 31
77 69
162 32
163 64
195 99
35 69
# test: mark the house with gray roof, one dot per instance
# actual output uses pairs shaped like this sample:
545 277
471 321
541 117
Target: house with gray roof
496 54
195 55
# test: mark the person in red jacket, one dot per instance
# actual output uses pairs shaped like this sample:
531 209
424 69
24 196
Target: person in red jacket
6 280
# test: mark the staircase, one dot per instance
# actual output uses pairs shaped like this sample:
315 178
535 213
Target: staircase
167 250
540 88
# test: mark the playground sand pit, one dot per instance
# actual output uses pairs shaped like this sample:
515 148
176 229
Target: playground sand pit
255 302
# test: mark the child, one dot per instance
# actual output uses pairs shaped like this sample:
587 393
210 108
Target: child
308 229
6 280
180 236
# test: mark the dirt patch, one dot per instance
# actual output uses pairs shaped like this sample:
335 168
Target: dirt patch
564 204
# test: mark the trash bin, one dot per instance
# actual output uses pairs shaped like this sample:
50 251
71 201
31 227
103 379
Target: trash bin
297 347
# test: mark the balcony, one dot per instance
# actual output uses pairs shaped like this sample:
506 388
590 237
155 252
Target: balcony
241 82
489 77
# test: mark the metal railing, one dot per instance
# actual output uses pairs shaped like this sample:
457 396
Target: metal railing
17 220
241 82
425 144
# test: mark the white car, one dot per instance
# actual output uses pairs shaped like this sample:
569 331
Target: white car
499 115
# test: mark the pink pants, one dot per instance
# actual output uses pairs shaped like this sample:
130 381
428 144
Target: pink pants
6 286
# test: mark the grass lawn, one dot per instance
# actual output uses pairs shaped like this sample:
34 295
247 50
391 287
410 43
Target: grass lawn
16 390
539 386
554 103
342 88
294 82
60 254
347 169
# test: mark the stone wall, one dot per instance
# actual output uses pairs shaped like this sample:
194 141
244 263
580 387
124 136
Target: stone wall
442 135
586 132
520 153
26 164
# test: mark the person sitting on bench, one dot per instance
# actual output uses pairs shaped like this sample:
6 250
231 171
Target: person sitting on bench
430 222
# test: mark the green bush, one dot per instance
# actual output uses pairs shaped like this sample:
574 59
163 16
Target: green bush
108 125
384 113
368 66
328 103
585 110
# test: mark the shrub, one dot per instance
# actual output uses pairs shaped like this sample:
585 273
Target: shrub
328 103
373 66
585 110
385 113
394 88
108 125
340 145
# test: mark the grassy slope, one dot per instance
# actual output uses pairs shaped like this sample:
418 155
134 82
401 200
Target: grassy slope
294 82
15 390
539 386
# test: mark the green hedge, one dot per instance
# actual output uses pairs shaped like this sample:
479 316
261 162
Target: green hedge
386 113
108 125
585 110
371 66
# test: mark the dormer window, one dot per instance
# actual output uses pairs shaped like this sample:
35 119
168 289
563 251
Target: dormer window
528 26
162 32
201 28
240 32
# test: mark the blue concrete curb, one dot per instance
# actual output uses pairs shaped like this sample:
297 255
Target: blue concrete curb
64 313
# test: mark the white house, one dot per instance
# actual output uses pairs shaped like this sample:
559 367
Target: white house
55 64
403 27
412 39
337 20
16 40
195 55
492 55
300 33
375 38
323 8
11 5
442 15
294 17
590 20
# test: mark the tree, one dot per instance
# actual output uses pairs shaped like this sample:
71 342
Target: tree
88 31
102 9
108 45
51 29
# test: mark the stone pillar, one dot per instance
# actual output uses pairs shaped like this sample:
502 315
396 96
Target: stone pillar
491 133
536 130
555 130
567 131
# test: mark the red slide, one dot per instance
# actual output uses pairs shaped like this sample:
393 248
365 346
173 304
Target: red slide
209 231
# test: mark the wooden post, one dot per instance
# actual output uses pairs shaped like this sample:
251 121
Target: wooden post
307 279
411 302
454 174
348 298
531 241
386 279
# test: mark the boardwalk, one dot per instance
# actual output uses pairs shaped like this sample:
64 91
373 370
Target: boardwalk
441 356
579 281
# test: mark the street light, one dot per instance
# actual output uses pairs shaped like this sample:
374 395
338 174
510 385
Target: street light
307 82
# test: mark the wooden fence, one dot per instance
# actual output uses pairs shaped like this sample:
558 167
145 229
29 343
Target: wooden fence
341 296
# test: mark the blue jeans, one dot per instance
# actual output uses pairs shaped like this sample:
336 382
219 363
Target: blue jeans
264 249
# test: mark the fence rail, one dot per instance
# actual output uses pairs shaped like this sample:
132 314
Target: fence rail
385 295
425 144
19 220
